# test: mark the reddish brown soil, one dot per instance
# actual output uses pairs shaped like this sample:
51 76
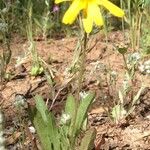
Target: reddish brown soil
131 133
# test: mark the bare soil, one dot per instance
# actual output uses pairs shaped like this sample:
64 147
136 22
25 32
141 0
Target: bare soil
131 133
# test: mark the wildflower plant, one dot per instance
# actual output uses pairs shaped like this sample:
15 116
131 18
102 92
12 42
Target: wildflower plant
89 12
63 134
37 68
128 98
44 20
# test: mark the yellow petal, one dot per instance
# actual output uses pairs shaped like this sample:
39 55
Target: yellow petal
59 1
73 11
88 21
93 16
116 11
87 24
98 19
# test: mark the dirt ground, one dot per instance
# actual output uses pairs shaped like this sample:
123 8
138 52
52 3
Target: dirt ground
131 133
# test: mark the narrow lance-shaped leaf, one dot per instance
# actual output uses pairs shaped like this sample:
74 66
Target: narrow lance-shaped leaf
70 108
137 96
87 142
44 123
82 111
41 107
42 130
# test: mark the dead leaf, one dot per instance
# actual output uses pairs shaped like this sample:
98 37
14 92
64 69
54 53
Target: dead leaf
13 138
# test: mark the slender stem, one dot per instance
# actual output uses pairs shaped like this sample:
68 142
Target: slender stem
128 71
125 63
123 26
80 76
82 64
139 29
131 24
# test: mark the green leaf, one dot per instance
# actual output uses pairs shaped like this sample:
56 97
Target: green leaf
45 125
48 78
118 113
37 21
65 143
41 107
42 129
137 96
70 107
84 126
82 111
36 70
122 50
88 140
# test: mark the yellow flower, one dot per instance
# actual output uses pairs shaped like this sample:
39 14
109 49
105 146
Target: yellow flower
91 12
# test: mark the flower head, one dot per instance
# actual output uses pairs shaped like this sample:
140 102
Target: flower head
90 11
55 8
65 119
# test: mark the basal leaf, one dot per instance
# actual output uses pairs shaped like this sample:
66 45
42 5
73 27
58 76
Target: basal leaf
82 111
88 140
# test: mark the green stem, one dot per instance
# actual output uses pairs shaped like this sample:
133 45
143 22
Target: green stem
123 25
82 65
82 60
125 63
139 29
131 79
